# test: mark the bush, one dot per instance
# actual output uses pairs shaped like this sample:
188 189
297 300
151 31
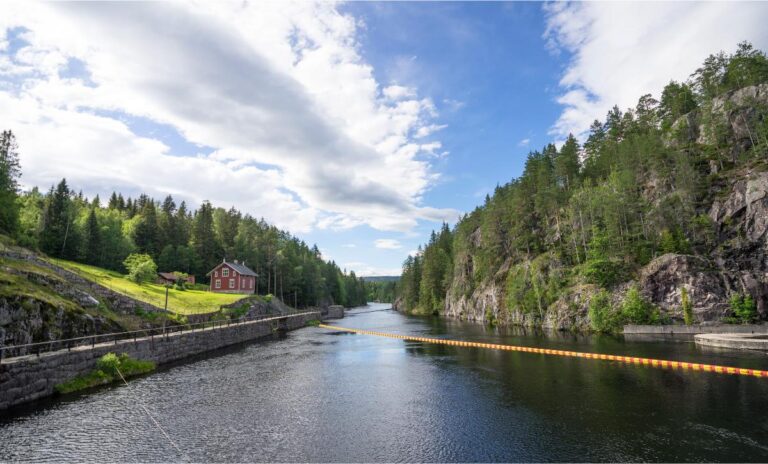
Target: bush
268 297
109 364
107 372
602 317
744 308
687 306
636 310
603 272
140 267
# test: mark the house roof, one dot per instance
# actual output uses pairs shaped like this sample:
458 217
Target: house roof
241 268
167 275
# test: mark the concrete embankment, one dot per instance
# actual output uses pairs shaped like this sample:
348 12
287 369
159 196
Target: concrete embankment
28 378
738 341
696 329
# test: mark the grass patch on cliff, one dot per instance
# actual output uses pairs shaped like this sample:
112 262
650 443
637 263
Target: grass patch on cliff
191 301
106 372
17 281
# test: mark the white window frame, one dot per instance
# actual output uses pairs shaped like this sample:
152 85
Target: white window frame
231 283
225 272
216 273
217 283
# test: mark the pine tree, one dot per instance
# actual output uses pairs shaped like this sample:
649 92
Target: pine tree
92 239
113 202
10 171
58 234
146 236
203 239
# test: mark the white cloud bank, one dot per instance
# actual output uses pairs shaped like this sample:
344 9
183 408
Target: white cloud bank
301 132
622 50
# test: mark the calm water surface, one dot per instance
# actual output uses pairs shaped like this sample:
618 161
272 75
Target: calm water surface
323 396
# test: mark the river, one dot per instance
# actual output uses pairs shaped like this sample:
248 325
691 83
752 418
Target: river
318 395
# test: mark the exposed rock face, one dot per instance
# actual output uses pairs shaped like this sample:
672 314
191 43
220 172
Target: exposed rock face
663 279
741 219
733 114
30 320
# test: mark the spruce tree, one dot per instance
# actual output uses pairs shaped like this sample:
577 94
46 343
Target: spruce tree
58 236
92 239
10 171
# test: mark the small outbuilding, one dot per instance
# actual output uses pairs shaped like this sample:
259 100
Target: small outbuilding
171 278
232 277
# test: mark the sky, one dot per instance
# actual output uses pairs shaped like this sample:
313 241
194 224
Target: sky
357 126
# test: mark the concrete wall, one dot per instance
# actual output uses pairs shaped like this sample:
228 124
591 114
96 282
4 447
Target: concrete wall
696 329
27 378
334 312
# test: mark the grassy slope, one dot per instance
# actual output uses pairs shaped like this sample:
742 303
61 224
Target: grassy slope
181 302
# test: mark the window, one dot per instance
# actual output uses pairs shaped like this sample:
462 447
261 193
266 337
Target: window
216 274
225 272
218 283
231 283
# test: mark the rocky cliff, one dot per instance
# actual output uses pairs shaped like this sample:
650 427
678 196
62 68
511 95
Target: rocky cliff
729 254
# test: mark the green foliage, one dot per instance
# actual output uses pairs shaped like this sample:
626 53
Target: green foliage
744 308
107 372
687 306
237 312
141 268
676 100
313 323
602 316
636 310
604 272
674 242
10 171
533 286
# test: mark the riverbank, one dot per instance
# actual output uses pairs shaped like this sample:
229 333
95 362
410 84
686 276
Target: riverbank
32 377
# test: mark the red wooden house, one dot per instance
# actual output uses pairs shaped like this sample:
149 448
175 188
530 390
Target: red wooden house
232 277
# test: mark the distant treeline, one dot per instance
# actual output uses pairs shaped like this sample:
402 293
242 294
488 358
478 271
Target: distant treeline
68 225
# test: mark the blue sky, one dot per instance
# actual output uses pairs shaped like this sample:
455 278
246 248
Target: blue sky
357 126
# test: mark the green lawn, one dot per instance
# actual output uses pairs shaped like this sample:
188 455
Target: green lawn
179 301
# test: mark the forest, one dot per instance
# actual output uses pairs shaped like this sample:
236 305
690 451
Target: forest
593 213
65 224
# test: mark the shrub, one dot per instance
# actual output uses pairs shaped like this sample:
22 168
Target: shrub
140 267
674 242
603 272
106 372
109 363
687 306
744 308
602 317
636 310
268 297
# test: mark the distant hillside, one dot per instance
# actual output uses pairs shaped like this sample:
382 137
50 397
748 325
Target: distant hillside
382 278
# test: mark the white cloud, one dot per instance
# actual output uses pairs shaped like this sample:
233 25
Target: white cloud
622 50
387 244
349 245
524 142
398 92
301 130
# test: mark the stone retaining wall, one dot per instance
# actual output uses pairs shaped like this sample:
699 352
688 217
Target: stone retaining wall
28 378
